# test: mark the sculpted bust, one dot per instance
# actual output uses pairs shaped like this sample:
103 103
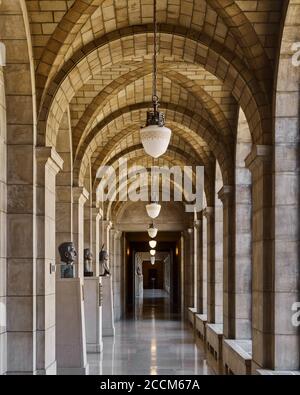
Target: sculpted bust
88 256
67 256
103 261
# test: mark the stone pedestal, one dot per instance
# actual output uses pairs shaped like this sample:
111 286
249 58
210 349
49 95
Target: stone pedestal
108 324
70 328
93 314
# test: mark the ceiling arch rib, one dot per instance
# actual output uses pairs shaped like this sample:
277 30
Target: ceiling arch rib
177 114
85 20
140 159
179 140
214 110
225 65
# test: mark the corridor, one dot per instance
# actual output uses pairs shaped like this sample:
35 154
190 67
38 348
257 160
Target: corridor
149 165
154 343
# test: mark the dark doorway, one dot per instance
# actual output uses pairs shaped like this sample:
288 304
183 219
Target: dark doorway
155 277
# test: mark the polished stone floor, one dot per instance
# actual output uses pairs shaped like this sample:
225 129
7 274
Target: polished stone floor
153 342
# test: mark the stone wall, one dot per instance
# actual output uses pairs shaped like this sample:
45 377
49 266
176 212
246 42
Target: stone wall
3 159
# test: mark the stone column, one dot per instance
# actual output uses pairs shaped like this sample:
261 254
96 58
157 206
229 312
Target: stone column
108 325
260 164
96 217
201 267
209 214
189 268
204 264
3 209
49 164
88 224
105 234
80 196
197 265
117 285
226 195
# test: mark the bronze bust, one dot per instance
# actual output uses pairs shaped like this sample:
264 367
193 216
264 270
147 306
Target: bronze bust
103 262
67 256
88 256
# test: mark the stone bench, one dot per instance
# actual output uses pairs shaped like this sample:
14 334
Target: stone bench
191 316
237 356
200 326
214 340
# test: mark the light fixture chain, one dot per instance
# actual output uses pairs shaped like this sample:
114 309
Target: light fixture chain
155 98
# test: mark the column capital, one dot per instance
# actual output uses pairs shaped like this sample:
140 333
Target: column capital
48 155
258 154
80 193
107 224
2 55
118 234
225 193
96 213
208 212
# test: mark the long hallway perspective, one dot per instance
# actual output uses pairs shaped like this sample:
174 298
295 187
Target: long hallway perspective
150 187
152 342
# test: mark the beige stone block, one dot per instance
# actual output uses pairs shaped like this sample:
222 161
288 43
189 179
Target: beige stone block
20 315
20 169
287 130
21 355
287 352
18 79
20 134
287 226
20 199
20 277
19 111
19 236
2 277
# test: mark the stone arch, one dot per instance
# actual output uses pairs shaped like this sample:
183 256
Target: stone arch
243 232
77 14
181 116
286 194
232 72
208 103
245 34
218 283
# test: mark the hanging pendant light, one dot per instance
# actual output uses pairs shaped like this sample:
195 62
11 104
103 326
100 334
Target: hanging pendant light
153 209
152 243
152 252
152 231
155 135
152 260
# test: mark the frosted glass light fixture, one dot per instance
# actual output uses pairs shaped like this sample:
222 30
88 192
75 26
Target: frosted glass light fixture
152 252
153 209
152 231
152 260
155 135
152 243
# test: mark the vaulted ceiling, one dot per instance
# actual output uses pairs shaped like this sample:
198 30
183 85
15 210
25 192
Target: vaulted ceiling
93 59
